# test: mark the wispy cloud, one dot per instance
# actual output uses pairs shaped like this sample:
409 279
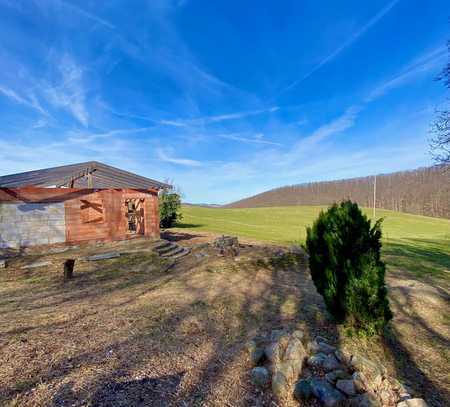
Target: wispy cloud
82 137
258 138
354 37
198 121
31 101
86 14
69 92
164 156
425 62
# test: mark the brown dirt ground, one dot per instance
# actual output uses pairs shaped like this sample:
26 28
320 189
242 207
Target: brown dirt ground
124 332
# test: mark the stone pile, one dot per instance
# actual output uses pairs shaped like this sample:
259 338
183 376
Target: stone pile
227 245
318 370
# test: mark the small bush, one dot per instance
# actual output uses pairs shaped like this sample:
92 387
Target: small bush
169 208
344 259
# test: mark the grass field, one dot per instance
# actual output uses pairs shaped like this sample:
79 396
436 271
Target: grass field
416 243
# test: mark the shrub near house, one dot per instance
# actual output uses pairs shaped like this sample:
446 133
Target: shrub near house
346 268
169 208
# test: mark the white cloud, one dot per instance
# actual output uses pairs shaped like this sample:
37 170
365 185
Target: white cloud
424 63
69 92
31 101
375 19
163 156
257 138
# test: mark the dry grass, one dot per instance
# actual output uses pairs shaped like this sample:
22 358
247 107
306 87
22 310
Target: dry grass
124 332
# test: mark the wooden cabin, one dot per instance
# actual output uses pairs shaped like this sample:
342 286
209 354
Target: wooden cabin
77 203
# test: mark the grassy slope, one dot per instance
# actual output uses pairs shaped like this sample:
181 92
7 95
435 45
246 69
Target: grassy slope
417 243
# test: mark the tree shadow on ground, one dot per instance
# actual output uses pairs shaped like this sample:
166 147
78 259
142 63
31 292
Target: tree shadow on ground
425 258
408 371
176 236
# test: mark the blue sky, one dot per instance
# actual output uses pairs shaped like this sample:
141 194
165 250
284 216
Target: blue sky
224 98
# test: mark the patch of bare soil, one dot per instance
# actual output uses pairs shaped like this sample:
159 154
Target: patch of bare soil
124 332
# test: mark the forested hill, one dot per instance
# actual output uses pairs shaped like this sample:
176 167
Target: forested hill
424 191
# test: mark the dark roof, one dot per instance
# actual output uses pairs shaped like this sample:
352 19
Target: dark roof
103 176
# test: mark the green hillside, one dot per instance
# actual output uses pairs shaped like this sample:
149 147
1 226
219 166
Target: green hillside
417 243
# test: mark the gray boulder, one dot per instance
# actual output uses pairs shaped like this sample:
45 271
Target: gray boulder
303 390
326 393
346 386
335 375
331 363
325 348
317 360
413 403
343 356
260 376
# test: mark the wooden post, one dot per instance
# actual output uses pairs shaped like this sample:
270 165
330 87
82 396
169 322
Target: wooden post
90 183
69 264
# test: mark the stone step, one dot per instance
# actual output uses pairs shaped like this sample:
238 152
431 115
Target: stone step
166 249
172 252
161 244
183 253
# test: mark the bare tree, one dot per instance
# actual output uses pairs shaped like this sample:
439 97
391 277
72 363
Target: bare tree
440 144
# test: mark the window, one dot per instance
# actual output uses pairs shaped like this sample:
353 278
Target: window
92 211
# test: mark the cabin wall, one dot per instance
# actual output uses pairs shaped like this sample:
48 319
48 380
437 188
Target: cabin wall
39 216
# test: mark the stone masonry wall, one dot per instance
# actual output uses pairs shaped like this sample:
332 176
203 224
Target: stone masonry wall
30 224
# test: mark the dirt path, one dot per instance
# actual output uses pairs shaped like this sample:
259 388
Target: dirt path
126 333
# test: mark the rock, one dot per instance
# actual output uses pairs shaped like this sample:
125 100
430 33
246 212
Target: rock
404 396
346 386
103 256
317 360
364 400
369 368
325 348
298 334
228 245
276 334
295 351
2 263
255 349
331 363
303 390
335 375
313 347
256 355
280 384
343 356
360 382
321 339
326 393
272 352
260 376
37 264
413 403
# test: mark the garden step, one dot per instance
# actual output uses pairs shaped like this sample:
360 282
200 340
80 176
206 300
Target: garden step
175 250
161 244
166 249
183 253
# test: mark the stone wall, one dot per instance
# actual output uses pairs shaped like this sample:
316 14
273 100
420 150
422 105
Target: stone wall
30 224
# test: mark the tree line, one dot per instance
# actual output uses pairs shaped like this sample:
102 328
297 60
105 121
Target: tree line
424 191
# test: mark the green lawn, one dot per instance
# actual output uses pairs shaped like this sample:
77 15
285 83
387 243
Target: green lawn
416 243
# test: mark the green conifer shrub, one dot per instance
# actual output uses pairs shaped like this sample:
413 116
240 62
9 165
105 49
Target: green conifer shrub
345 264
